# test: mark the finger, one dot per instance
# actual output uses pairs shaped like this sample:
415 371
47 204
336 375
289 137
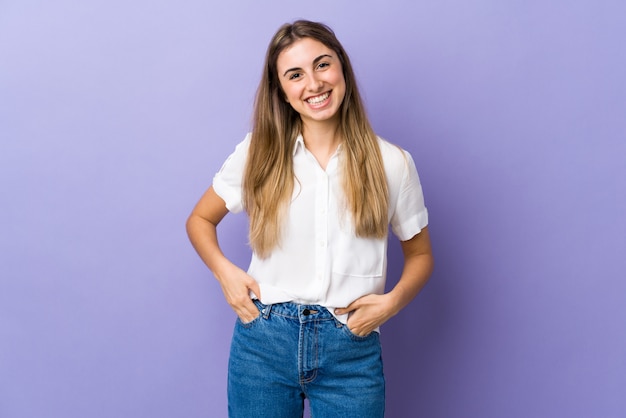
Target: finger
255 288
351 307
343 311
359 330
248 311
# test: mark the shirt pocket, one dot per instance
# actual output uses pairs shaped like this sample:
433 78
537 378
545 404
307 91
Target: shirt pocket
358 257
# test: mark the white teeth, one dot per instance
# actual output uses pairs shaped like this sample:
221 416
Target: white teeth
318 99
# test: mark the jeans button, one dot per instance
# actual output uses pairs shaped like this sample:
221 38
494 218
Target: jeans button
306 312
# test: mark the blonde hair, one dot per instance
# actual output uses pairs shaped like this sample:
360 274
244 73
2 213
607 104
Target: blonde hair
269 177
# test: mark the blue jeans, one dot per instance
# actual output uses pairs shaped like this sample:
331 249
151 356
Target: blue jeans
292 352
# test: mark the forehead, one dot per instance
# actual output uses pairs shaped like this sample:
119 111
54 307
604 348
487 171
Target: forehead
302 53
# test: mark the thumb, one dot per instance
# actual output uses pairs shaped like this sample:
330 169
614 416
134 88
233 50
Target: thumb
255 288
347 309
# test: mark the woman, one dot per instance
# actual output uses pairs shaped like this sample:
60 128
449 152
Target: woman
320 189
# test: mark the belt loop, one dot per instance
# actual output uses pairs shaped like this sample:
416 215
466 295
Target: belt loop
266 311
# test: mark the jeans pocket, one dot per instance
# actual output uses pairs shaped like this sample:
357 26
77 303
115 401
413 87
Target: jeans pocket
248 324
348 332
261 307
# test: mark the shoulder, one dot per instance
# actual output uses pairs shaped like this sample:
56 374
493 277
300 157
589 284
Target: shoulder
245 143
395 158
390 150
241 149
237 157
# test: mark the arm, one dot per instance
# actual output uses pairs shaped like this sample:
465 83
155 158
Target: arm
202 231
371 311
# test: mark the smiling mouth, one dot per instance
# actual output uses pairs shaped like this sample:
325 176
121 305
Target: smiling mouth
318 99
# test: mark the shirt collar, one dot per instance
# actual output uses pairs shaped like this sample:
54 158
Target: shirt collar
299 144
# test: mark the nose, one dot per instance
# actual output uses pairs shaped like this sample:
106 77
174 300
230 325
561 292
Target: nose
315 84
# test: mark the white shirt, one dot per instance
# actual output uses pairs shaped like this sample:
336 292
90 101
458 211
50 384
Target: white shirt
320 259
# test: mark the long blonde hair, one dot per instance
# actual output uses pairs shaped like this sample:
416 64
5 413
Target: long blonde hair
269 177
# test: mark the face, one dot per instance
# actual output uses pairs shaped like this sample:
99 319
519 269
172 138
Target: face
312 79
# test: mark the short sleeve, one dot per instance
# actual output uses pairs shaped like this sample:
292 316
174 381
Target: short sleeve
409 215
227 182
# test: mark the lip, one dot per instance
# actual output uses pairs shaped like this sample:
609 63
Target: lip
321 104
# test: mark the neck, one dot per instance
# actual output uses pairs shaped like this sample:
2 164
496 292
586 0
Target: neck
321 139
325 135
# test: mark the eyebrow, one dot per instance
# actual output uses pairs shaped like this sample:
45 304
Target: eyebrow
315 61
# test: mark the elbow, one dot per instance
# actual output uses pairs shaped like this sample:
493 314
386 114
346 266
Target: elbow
190 224
430 263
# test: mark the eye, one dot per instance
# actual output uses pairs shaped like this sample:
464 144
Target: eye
295 76
323 65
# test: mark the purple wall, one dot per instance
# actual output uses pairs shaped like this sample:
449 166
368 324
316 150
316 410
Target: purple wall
114 115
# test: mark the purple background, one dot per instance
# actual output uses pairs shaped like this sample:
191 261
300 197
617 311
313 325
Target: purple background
114 115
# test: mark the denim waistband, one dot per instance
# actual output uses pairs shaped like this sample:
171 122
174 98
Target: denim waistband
295 311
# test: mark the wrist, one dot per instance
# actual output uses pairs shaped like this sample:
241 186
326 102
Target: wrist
396 301
221 268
